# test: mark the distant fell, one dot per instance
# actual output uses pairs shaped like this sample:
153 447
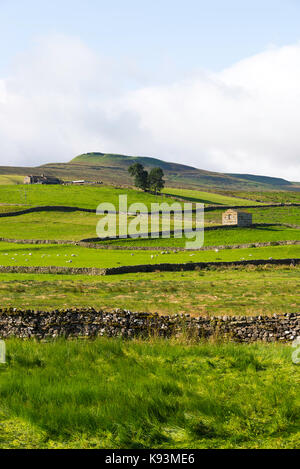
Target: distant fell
113 169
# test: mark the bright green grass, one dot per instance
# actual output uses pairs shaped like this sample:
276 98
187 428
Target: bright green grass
61 255
232 291
221 237
11 179
148 394
207 197
80 225
74 196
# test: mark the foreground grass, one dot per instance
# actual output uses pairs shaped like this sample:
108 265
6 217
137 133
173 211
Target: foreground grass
75 256
158 394
238 291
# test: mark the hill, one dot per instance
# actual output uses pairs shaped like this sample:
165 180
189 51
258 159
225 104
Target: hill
113 168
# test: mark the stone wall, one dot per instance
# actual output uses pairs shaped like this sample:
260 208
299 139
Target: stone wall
121 323
97 245
60 208
133 269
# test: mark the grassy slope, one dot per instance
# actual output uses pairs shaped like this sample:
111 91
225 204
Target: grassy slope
85 395
11 179
113 169
230 291
74 196
81 225
207 197
288 215
268 196
61 255
220 237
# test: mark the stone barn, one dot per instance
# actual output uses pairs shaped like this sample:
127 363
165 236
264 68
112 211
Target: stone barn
236 217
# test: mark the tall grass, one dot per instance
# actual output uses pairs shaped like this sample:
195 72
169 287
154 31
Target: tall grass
145 394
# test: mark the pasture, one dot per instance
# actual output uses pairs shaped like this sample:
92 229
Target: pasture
77 256
148 394
216 291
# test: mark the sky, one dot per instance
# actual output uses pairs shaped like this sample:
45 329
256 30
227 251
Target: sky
214 84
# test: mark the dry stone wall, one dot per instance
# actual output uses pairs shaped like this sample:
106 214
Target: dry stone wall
132 269
122 323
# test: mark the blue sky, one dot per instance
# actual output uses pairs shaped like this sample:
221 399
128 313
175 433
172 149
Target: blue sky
149 56
190 34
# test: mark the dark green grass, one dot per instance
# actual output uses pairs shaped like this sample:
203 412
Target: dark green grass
231 291
156 394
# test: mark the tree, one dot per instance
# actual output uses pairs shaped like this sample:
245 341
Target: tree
155 180
140 176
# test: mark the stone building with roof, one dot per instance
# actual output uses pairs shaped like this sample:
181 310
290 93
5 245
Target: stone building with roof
237 218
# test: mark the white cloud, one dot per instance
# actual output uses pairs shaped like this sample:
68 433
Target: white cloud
62 99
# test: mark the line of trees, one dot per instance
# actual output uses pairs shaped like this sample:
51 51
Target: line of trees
152 181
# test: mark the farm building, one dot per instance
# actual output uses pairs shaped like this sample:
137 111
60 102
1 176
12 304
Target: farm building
41 180
236 217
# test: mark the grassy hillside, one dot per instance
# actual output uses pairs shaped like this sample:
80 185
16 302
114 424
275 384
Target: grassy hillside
11 179
148 394
207 198
113 168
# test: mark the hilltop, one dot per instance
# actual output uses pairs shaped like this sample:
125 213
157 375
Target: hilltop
113 168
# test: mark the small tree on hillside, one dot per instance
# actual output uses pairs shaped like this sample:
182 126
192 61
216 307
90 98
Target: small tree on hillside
155 180
140 176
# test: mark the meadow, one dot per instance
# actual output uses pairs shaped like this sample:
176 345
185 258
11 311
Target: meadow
269 197
77 256
207 198
113 393
148 394
73 196
80 225
219 237
276 215
11 179
216 291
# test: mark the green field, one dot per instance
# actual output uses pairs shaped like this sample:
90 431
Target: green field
231 291
73 196
11 179
156 394
75 256
220 237
208 198
269 197
287 215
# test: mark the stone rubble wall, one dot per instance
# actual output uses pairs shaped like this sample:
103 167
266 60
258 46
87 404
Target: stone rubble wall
62 208
98 245
122 323
127 269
